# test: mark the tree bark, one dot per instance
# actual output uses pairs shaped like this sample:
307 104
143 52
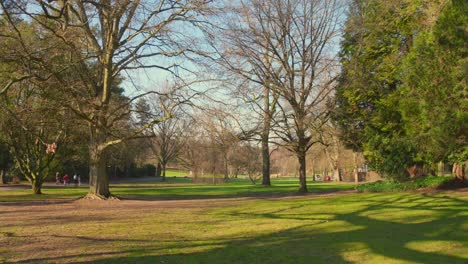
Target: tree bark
458 171
301 156
163 171
2 176
226 169
158 170
36 187
98 178
336 174
355 170
440 168
265 139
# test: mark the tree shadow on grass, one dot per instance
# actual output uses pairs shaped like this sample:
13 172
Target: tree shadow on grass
381 229
203 193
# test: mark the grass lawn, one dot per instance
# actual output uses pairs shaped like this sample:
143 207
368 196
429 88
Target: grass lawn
402 227
177 188
176 172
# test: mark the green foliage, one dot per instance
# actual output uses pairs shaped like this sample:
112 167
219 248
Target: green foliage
146 170
395 186
402 95
5 158
433 97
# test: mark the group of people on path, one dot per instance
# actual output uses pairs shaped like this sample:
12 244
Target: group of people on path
67 180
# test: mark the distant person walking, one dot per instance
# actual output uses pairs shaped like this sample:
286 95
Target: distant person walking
57 178
79 180
65 179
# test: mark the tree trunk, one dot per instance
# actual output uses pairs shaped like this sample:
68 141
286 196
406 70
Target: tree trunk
36 187
265 161
355 170
158 170
163 171
265 138
336 174
465 172
98 178
458 171
301 156
440 168
226 169
2 176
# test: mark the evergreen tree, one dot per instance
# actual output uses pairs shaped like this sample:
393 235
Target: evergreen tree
434 95
378 35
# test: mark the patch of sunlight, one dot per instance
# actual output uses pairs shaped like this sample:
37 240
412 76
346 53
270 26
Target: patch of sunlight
456 248
359 252
403 216
336 226
246 229
190 249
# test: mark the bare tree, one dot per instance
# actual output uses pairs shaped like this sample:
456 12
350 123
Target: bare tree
169 140
333 146
194 154
290 46
250 82
99 40
220 130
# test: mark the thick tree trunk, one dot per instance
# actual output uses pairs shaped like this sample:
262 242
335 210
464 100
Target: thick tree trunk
98 178
301 156
336 174
458 171
158 170
36 187
163 171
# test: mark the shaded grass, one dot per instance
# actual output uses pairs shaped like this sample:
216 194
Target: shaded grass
358 228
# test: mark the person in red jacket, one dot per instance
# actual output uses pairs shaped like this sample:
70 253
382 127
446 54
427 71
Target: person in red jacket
65 179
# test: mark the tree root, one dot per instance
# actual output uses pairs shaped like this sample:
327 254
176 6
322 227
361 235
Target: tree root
92 196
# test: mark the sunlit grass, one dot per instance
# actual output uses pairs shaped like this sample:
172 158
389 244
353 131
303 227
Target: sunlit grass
356 228
176 188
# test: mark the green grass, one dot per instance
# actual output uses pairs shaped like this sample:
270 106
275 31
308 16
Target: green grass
175 172
48 194
178 188
357 228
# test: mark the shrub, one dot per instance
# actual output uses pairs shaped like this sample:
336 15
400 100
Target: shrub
389 186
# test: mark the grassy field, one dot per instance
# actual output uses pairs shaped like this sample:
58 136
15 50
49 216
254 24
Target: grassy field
184 223
176 172
177 188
